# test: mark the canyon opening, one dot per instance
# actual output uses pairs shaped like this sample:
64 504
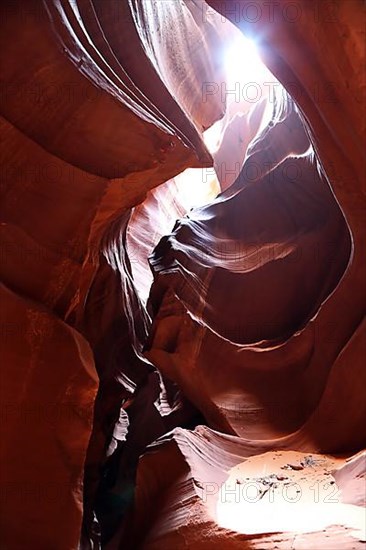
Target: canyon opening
183 275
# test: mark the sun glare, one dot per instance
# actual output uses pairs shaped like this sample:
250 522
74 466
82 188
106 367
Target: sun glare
243 63
294 502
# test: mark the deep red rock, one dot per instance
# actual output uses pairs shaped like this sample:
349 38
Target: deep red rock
255 321
48 387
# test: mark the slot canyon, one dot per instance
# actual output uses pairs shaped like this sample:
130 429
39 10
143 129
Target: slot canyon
183 275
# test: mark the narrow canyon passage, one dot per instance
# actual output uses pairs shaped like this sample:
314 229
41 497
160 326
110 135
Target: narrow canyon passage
183 275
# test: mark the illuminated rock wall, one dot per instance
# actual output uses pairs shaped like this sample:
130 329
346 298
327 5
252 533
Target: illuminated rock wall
254 324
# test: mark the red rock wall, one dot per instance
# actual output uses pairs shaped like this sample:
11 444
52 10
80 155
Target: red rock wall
228 326
88 126
256 310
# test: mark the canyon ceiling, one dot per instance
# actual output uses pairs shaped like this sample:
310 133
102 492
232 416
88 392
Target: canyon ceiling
183 276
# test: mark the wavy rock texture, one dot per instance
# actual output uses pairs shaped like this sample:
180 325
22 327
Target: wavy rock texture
202 489
237 323
255 320
246 254
252 335
90 125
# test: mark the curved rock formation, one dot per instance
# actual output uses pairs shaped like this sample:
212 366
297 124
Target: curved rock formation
202 489
246 255
229 278
254 324
273 349
89 126
47 390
